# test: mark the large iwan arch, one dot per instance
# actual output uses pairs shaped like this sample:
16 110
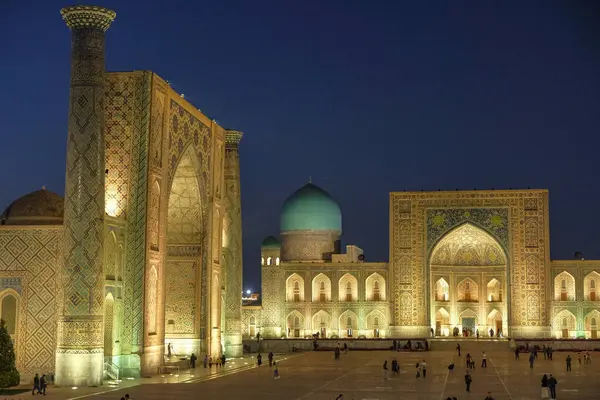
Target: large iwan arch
467 269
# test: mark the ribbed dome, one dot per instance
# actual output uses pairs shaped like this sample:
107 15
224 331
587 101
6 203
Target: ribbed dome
41 207
311 208
270 242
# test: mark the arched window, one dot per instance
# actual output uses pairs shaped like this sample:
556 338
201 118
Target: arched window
322 292
594 321
376 296
467 291
277 261
252 321
348 291
296 322
269 259
9 313
376 322
592 284
296 291
563 284
564 323
349 322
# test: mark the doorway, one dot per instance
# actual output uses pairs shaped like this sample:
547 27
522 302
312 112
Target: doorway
468 324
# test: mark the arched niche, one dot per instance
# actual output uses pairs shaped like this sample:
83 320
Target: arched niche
295 288
564 287
441 290
348 324
295 324
494 290
321 323
376 324
565 324
348 288
590 286
375 287
321 288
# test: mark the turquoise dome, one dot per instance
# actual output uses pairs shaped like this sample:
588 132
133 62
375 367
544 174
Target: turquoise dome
311 208
270 242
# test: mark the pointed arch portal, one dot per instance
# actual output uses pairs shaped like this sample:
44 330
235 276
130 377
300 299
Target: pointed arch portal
467 274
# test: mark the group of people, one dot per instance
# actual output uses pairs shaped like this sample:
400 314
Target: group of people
272 363
39 384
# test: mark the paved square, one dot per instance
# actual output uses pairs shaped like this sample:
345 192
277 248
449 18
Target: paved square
358 375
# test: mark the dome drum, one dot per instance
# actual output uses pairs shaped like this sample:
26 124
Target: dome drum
309 245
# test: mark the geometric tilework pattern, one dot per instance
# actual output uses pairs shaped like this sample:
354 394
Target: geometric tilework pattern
514 218
83 240
32 273
180 295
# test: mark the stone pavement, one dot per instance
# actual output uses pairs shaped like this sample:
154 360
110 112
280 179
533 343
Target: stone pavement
174 376
358 375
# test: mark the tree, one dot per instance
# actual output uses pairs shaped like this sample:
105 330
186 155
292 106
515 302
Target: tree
9 376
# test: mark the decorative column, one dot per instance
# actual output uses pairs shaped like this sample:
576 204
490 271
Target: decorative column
80 341
233 246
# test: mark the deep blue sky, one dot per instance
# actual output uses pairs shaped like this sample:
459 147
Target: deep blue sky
368 97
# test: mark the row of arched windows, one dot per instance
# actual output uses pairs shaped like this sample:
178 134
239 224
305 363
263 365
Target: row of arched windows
347 288
467 290
565 287
269 261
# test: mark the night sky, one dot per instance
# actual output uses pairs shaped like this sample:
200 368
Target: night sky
367 97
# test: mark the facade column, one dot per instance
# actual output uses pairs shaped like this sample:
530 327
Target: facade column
80 339
233 246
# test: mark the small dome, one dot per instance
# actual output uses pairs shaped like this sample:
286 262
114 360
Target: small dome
311 208
41 207
270 242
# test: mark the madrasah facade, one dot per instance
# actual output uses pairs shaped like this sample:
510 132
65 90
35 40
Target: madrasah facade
472 260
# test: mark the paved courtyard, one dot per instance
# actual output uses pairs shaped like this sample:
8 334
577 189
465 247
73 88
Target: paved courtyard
358 375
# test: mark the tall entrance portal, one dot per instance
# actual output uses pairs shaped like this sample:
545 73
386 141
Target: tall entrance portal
468 273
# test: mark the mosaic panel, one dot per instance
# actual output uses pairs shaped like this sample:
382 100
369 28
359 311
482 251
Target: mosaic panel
33 274
502 214
494 220
119 112
180 297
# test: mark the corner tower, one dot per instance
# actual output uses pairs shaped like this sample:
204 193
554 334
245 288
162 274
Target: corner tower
232 246
80 341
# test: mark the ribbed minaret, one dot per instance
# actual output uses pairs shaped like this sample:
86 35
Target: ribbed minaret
233 246
80 347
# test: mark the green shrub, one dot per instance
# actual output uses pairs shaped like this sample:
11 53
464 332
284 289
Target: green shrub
9 376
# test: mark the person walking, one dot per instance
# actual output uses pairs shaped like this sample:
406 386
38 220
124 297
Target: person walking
458 348
385 370
259 360
531 359
193 359
517 353
552 382
43 385
468 381
424 368
568 360
270 359
36 384
275 371
483 360
545 393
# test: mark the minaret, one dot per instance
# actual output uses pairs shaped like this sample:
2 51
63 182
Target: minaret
233 246
80 339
